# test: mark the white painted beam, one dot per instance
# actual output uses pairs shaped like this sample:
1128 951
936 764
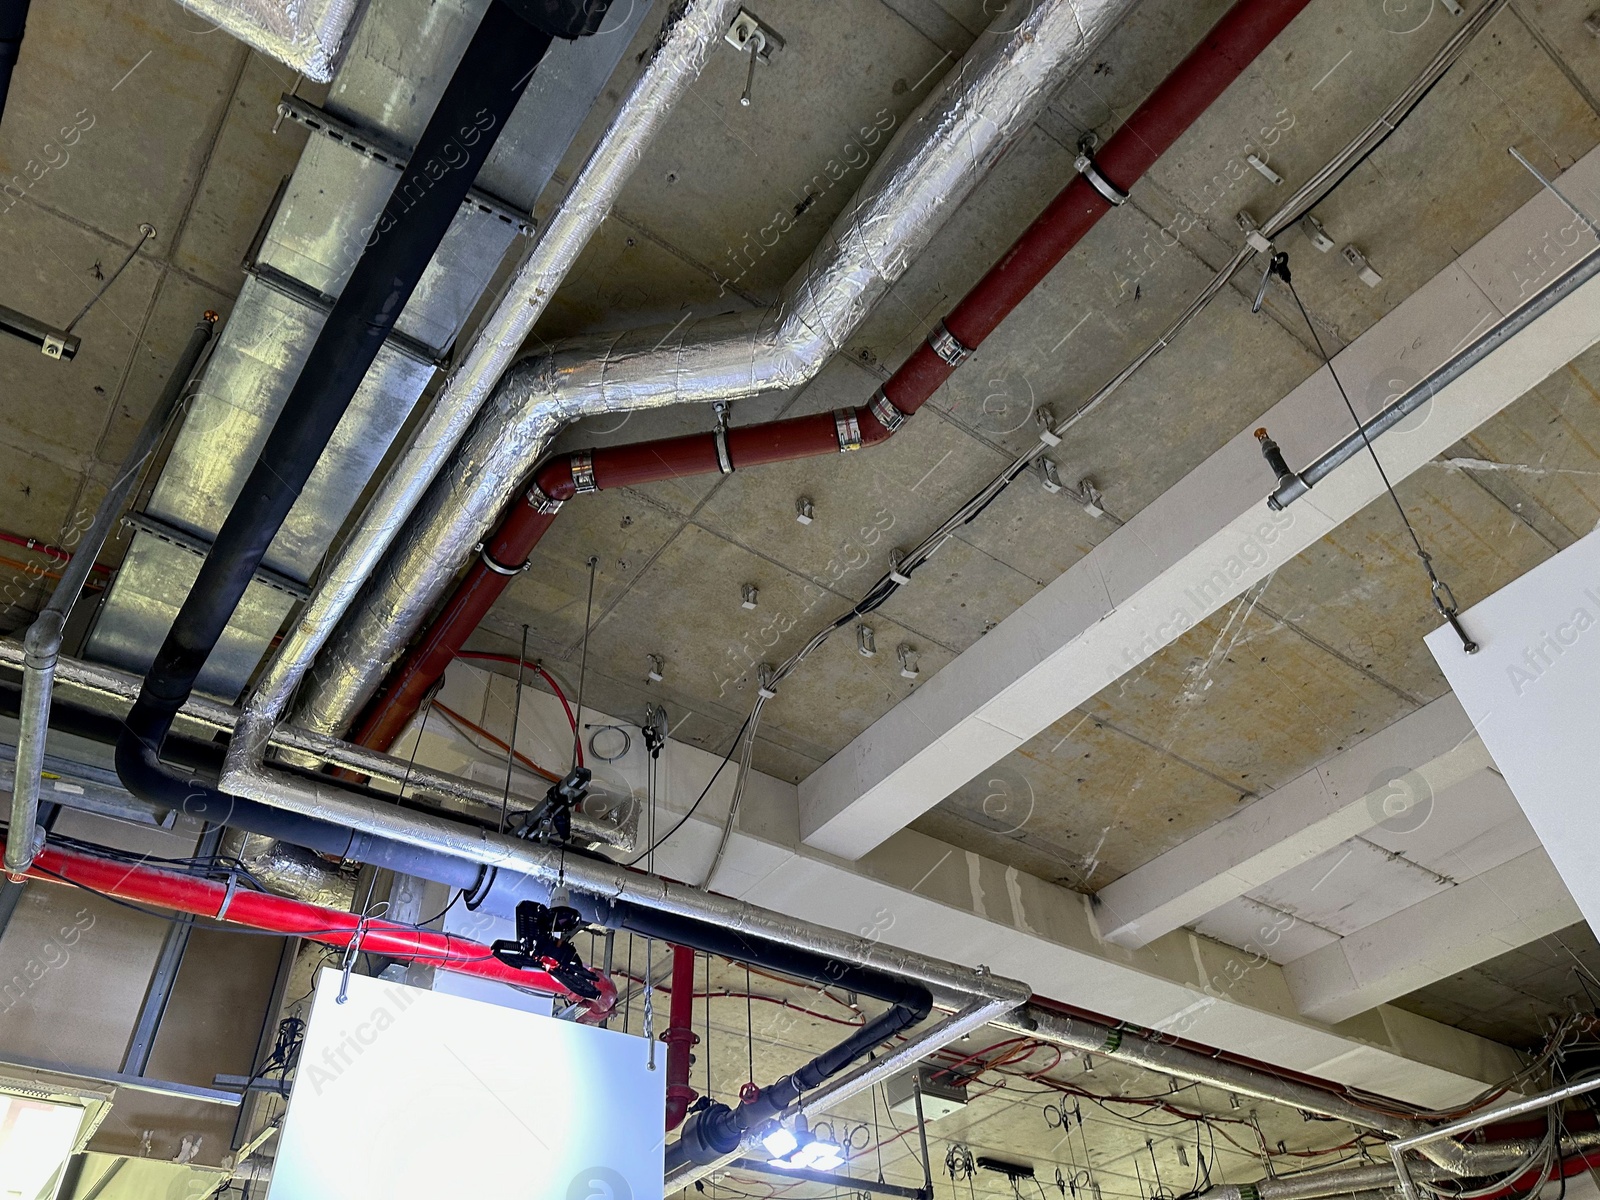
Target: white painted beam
1211 536
1415 758
924 895
1506 907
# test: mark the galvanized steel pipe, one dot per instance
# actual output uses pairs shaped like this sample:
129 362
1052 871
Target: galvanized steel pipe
42 642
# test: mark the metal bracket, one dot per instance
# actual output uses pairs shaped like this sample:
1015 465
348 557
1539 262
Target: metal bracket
1364 271
383 151
866 641
848 429
804 511
947 346
907 654
747 25
1090 170
173 536
1316 234
749 34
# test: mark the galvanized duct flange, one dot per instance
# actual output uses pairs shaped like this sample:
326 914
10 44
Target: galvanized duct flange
931 166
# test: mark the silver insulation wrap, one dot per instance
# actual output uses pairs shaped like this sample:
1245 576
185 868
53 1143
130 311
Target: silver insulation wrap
686 38
290 871
955 136
304 34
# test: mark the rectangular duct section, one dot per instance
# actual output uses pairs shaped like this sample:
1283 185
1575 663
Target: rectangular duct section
397 64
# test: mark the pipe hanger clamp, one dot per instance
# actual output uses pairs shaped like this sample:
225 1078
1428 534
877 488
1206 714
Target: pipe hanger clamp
947 346
1090 170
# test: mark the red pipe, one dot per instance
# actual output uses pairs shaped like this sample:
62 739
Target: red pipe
1232 45
279 914
680 1037
58 553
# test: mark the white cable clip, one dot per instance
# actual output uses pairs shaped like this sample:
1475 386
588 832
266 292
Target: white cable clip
896 557
764 674
1045 418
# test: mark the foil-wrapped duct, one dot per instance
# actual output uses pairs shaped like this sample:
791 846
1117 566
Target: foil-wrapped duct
940 154
304 34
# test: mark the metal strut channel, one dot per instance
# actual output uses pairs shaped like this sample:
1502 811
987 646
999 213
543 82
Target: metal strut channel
379 149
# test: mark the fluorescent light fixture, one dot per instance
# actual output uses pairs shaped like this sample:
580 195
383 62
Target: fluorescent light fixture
780 1143
45 1118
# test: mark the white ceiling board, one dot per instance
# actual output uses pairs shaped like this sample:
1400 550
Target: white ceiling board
1530 692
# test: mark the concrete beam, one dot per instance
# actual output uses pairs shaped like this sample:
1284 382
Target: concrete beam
922 894
1505 907
1418 756
1211 536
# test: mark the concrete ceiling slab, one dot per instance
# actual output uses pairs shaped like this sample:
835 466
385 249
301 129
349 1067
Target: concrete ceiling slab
1548 445
119 71
1096 796
550 595
253 152
1248 699
1361 593
52 265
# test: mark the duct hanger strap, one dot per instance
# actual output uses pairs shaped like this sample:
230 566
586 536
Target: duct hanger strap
724 460
883 408
1090 170
848 428
947 346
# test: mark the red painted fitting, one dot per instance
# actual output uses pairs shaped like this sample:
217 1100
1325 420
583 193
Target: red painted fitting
1232 45
295 918
680 1037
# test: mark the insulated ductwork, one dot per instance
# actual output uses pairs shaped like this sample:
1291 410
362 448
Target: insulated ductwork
957 134
306 36
290 871
686 37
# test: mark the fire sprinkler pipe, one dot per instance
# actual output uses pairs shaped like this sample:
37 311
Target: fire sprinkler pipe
1101 184
929 167
295 918
680 1037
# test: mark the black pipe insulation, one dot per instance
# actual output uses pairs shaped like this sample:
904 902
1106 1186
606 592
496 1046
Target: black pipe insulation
793 961
718 1130
13 18
486 85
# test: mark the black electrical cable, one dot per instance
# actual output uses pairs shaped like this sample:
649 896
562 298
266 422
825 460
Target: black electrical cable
704 792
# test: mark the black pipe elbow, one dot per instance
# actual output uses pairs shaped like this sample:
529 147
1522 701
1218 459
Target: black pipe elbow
708 1135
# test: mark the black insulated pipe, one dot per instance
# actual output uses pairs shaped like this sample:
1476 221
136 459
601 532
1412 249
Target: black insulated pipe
806 965
13 17
488 82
